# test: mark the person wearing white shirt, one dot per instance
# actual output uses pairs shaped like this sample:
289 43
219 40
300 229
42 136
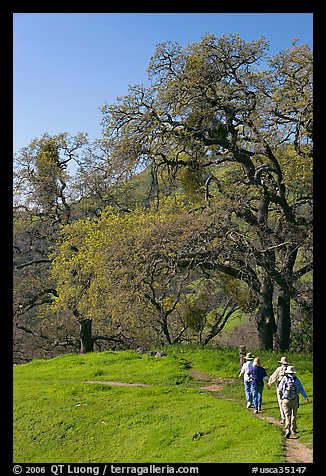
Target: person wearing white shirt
246 378
277 376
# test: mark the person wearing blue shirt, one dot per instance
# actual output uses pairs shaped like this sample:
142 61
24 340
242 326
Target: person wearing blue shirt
290 387
258 375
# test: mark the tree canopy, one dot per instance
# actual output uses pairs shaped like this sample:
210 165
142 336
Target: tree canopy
221 141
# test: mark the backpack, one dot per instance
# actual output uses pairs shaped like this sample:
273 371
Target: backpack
290 392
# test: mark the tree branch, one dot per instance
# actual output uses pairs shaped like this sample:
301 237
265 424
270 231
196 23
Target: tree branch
30 263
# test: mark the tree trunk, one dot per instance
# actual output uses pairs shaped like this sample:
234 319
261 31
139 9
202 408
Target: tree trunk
265 317
165 329
284 303
86 339
283 322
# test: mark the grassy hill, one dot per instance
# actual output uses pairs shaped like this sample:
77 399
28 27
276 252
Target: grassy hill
61 415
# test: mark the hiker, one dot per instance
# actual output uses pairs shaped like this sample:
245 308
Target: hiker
246 378
258 375
290 388
277 376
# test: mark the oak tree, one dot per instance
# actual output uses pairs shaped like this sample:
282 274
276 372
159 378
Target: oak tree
223 108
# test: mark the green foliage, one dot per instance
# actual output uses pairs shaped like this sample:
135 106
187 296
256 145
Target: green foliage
133 270
191 181
297 171
195 317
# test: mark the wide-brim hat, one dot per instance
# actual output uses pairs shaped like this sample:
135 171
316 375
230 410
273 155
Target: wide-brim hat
283 361
249 356
290 370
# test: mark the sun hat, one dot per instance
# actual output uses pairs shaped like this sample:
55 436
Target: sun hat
290 370
249 356
283 361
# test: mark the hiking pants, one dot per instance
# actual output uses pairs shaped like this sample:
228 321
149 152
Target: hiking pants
248 392
279 399
257 395
290 408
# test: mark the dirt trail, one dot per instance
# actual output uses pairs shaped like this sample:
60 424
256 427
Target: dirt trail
295 452
114 383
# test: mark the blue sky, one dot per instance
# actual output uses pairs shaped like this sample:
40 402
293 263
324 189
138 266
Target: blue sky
67 65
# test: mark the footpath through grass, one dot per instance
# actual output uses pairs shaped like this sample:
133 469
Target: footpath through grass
60 418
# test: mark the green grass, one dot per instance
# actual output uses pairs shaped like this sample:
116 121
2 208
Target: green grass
59 418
